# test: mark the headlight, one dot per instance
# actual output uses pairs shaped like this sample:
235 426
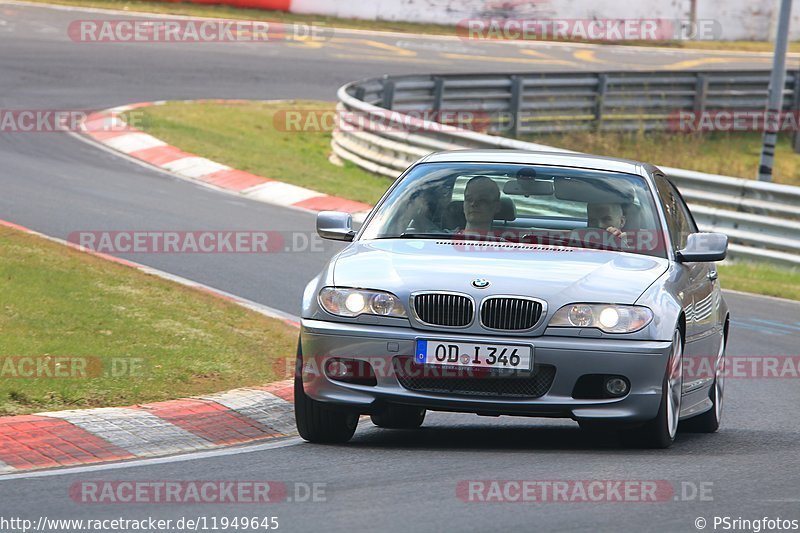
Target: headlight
606 317
354 302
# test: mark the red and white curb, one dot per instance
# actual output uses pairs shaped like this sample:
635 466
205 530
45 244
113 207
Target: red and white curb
108 129
85 436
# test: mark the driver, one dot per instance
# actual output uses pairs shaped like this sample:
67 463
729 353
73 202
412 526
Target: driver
608 216
481 204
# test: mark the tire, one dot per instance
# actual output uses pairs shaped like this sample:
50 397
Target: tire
660 432
399 417
709 421
317 422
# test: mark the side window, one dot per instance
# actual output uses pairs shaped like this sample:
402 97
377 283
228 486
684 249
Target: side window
679 221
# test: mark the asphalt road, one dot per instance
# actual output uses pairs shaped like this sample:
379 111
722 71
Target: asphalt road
382 480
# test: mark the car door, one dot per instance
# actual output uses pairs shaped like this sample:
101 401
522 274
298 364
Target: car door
700 299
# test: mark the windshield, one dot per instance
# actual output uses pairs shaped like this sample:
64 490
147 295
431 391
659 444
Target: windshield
523 204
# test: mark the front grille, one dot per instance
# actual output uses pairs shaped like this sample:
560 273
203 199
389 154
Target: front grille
444 309
511 314
465 381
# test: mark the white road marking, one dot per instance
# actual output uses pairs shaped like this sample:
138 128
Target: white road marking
762 296
135 463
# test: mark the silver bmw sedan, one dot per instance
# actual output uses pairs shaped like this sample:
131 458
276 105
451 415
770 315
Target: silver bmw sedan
517 283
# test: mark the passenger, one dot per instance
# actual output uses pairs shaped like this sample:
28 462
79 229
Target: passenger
481 204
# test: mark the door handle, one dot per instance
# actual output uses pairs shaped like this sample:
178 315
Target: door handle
712 275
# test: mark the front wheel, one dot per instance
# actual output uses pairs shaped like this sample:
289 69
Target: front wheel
660 432
317 422
709 421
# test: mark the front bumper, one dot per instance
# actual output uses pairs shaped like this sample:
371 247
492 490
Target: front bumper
642 362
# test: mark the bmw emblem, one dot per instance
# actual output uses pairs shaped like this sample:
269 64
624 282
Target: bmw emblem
480 283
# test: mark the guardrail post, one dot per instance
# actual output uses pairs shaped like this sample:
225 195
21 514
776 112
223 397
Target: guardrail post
796 110
700 94
515 105
438 93
600 97
388 93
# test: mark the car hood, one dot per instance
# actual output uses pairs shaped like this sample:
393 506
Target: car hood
557 275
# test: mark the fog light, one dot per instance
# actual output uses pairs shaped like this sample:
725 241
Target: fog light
337 369
616 386
353 371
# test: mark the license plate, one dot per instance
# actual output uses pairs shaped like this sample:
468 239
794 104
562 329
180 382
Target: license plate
469 354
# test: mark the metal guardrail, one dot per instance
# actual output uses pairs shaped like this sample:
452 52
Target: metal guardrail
761 219
583 101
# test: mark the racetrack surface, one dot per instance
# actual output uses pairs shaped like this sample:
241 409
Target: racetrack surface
382 480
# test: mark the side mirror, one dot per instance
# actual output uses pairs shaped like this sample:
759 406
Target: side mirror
335 225
702 247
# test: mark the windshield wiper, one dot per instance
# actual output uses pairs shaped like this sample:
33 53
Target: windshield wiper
450 236
546 239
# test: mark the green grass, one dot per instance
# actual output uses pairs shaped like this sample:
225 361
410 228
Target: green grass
761 279
245 136
731 154
58 302
201 10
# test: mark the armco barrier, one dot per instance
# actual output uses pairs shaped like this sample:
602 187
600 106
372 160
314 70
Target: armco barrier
761 219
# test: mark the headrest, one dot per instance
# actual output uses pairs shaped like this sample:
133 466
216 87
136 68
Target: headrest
455 211
508 210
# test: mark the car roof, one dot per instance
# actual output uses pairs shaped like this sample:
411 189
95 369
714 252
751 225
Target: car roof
563 159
